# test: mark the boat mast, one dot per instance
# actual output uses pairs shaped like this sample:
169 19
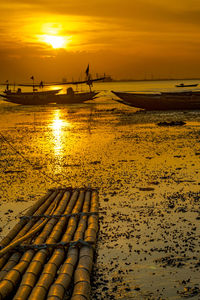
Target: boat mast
7 85
88 78
32 77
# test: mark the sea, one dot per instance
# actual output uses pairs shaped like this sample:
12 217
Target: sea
147 177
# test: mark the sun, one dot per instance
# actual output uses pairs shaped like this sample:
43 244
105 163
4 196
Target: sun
55 41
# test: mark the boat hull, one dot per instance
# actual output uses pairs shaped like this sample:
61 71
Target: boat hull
44 99
186 85
27 99
161 101
74 98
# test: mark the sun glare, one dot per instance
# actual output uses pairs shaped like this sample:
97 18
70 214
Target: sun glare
56 41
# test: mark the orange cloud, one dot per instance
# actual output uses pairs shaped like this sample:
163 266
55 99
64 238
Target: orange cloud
104 32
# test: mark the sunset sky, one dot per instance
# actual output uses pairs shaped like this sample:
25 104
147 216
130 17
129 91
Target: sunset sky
125 39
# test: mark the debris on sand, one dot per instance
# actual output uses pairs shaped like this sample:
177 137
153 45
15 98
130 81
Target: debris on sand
172 261
189 292
172 123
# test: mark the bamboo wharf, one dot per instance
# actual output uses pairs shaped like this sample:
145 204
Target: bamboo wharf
49 253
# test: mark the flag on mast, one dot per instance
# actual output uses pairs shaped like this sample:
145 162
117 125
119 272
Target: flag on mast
87 70
32 77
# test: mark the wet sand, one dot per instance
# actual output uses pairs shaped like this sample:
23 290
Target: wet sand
148 181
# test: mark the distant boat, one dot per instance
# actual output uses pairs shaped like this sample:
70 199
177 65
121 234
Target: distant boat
46 97
162 100
186 85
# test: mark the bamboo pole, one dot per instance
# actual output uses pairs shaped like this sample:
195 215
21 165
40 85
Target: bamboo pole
23 238
32 273
13 260
13 277
82 274
46 279
7 239
62 283
39 278
23 227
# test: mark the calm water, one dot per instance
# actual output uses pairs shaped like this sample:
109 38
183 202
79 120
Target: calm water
147 176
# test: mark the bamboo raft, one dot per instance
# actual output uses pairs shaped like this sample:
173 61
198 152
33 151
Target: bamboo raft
49 253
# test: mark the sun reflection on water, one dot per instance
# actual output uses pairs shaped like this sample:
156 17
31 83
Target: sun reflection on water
58 126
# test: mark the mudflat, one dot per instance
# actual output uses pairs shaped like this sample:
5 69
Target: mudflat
147 176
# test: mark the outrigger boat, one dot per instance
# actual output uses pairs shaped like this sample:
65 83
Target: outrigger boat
51 96
46 97
161 101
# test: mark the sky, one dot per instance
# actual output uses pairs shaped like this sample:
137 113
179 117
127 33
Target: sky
129 39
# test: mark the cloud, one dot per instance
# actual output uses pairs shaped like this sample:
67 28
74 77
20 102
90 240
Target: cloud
114 31
144 10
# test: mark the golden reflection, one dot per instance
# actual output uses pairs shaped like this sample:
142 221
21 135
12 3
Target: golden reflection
58 126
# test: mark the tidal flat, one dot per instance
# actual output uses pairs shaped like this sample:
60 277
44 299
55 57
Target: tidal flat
148 181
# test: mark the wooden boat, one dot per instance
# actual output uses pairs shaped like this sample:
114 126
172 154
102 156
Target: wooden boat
186 85
29 98
161 101
46 97
52 96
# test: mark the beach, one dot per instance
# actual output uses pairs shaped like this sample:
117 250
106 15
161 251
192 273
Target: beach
147 177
